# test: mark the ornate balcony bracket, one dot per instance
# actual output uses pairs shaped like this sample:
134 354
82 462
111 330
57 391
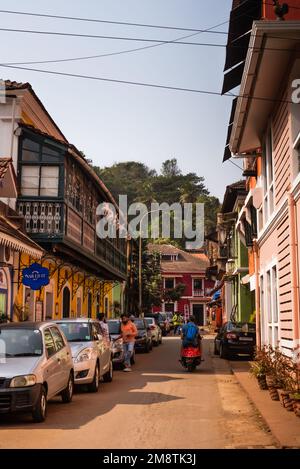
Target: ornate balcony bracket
76 284
63 280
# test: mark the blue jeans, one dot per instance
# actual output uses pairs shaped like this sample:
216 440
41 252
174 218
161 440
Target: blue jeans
128 351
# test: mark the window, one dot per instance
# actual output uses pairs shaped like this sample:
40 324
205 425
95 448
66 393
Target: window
269 308
39 181
169 283
39 169
268 177
58 340
49 343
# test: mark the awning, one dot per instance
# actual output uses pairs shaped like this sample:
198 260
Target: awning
227 152
245 280
14 238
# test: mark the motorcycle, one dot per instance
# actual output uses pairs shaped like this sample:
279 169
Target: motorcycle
190 358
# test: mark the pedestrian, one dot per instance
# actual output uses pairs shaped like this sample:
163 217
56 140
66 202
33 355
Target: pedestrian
129 333
177 322
103 324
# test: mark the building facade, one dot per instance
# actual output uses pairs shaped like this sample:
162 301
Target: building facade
58 194
179 267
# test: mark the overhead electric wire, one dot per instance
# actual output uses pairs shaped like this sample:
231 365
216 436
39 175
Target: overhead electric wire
235 165
143 84
120 23
159 41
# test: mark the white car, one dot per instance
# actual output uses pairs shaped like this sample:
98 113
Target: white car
35 366
91 351
156 332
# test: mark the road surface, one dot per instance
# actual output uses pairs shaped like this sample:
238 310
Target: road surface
158 405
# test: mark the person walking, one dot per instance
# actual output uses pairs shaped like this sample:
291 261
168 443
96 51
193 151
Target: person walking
103 324
129 333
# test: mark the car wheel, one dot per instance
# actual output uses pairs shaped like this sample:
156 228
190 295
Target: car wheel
67 393
108 377
40 411
156 343
224 352
94 385
216 352
147 348
132 359
151 346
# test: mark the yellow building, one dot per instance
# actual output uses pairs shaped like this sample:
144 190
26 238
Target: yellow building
58 193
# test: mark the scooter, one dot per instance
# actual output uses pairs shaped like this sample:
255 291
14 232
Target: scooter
190 358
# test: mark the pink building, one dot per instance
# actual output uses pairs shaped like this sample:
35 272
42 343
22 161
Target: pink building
188 268
265 133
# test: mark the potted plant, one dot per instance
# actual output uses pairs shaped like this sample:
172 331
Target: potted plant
295 397
258 370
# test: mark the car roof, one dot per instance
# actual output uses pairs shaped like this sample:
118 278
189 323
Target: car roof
75 320
26 325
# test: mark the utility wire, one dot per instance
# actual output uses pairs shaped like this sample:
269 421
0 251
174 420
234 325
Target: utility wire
235 165
122 23
149 85
159 41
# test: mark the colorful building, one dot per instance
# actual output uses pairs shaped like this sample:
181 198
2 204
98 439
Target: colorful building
189 269
265 134
58 194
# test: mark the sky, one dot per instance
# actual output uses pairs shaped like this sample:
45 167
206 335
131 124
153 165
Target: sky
113 122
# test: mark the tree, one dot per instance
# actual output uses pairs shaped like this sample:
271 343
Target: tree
170 168
174 294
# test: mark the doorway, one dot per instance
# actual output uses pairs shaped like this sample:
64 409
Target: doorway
198 313
66 302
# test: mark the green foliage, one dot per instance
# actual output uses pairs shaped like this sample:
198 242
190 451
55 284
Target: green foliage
142 184
174 294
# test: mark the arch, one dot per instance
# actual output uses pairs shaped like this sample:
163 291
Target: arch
66 302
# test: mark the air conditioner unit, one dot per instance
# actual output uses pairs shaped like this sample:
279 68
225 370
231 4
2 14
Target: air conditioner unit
6 255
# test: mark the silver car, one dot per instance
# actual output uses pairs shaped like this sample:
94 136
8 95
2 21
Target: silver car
155 331
91 351
35 365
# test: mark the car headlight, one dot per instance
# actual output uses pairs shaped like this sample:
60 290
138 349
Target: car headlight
118 345
84 355
23 381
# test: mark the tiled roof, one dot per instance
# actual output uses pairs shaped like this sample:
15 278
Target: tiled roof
187 262
14 85
12 236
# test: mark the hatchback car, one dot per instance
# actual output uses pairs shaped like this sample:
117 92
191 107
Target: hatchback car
143 341
235 338
91 351
35 365
155 331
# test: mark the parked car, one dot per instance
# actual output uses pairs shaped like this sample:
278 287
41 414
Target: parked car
91 351
235 338
162 321
155 331
143 340
35 365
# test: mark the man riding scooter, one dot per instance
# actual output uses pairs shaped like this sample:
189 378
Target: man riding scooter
191 350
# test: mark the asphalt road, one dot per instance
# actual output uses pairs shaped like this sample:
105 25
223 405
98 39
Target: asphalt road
158 405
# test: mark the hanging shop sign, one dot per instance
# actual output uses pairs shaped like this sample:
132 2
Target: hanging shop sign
35 276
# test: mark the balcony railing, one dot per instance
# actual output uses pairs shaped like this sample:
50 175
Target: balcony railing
201 293
42 217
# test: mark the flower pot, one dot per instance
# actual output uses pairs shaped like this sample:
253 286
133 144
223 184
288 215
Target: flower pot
285 400
274 393
296 406
262 383
271 381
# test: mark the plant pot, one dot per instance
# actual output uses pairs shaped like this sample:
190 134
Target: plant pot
296 407
262 383
271 381
285 400
274 393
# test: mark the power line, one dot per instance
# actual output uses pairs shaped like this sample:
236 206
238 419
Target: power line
142 84
235 165
159 41
127 51
121 23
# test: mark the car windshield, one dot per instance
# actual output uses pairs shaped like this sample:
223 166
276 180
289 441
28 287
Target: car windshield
149 320
20 342
242 327
114 327
76 331
139 324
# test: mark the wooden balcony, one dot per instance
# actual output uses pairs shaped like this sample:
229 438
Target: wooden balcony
57 224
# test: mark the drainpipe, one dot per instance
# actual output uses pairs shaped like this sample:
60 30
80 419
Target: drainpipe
13 118
257 294
294 274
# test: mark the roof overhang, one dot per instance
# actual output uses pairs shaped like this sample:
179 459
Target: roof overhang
263 75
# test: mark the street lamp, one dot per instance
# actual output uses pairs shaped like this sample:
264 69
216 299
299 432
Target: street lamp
140 259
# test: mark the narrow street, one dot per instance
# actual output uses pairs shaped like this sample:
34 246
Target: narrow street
158 405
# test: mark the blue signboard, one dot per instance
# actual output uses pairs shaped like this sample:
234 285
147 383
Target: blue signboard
35 276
